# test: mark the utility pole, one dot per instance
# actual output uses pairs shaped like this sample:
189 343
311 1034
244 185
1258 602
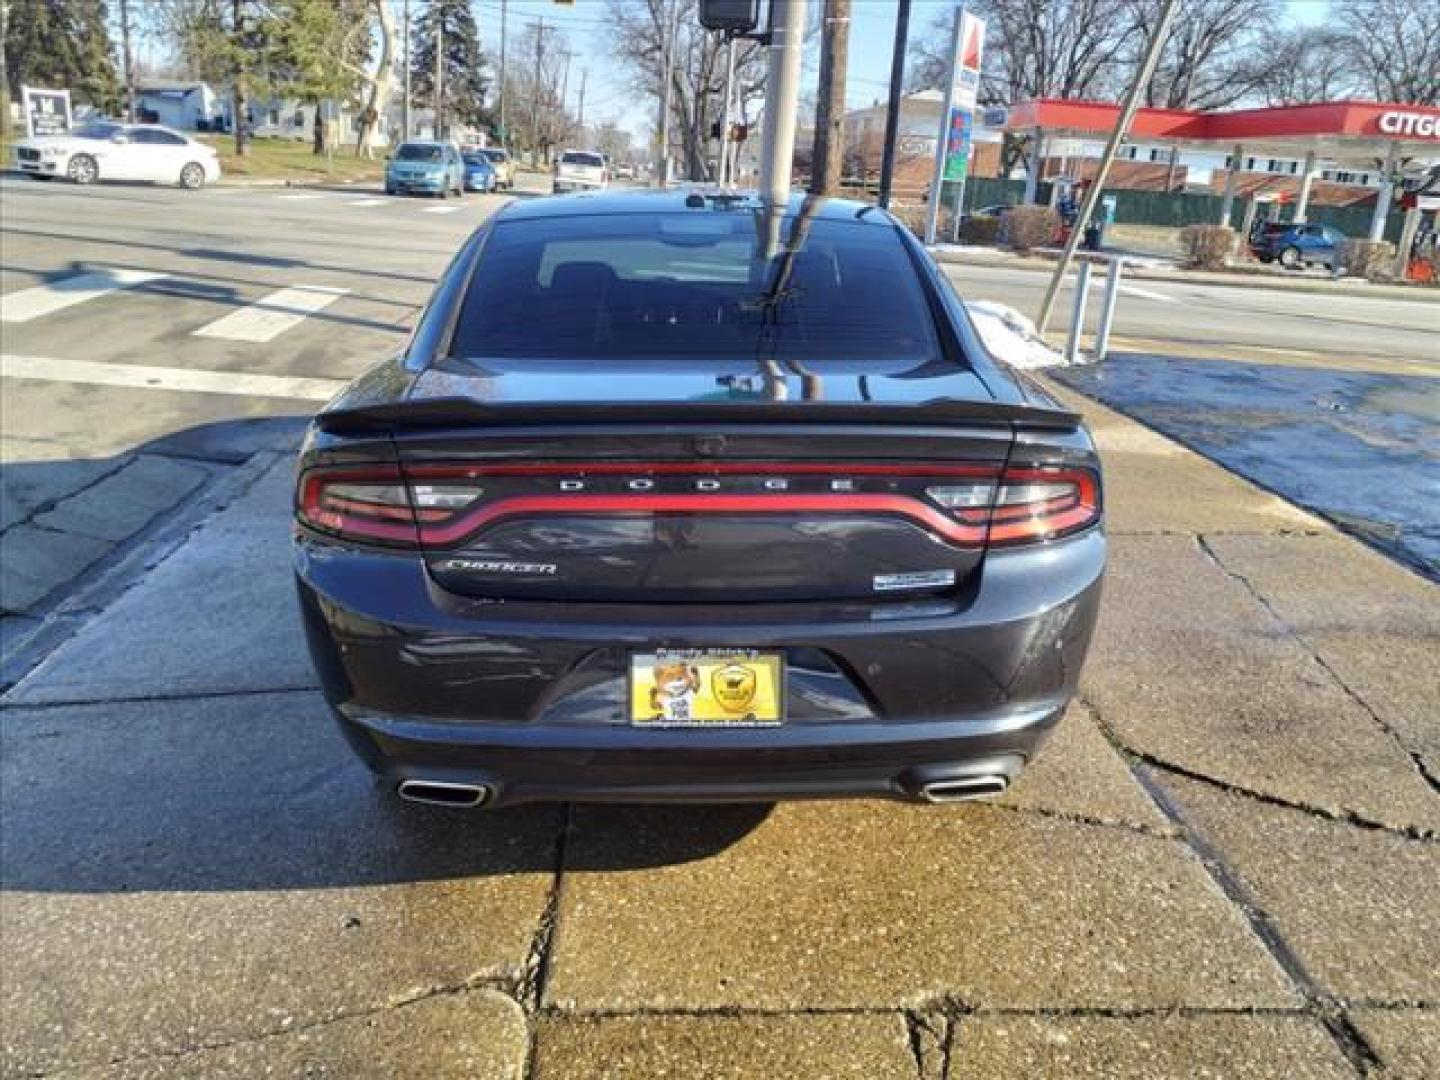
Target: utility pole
535 95
439 73
129 60
892 107
662 158
237 98
782 99
1122 128
726 176
504 131
580 111
405 104
826 158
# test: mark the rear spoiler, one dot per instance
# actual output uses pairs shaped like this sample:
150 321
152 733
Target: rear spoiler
451 412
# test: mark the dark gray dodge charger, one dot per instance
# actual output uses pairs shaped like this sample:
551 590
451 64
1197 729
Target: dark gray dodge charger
680 496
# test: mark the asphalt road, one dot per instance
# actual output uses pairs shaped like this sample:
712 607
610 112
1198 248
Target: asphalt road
1257 322
358 267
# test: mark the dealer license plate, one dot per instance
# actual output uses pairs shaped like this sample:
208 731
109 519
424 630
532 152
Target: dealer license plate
707 688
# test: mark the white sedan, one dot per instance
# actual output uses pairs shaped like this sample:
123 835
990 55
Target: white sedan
105 150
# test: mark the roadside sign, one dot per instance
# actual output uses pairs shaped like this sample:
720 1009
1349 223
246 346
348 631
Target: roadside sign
952 146
47 112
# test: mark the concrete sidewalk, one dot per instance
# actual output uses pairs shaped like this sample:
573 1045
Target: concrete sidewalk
1225 862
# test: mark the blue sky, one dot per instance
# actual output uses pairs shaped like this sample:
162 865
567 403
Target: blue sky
609 96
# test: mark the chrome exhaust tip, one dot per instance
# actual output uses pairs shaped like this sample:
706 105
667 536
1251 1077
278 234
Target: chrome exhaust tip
964 788
443 793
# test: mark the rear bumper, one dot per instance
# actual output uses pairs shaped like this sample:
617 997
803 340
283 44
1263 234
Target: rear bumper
520 764
528 699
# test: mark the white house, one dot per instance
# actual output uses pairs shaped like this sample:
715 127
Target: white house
185 106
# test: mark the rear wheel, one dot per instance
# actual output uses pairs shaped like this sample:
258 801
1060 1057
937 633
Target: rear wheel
83 169
192 176
1290 257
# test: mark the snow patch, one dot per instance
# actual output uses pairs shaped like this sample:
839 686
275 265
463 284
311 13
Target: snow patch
1011 336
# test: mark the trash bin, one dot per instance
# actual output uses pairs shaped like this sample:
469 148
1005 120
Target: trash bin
1094 235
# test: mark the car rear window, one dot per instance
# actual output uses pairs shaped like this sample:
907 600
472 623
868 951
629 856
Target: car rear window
495 155
418 152
698 284
573 158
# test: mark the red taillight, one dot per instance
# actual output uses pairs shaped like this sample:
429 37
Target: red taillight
1029 505
378 505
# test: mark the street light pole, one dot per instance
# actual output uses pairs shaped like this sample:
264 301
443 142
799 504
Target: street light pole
129 61
782 99
662 158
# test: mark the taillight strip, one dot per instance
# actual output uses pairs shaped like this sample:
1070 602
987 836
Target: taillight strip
726 468
878 503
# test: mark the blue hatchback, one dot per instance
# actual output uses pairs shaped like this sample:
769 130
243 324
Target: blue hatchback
479 172
425 168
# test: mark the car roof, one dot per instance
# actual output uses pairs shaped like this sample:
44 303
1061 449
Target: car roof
624 201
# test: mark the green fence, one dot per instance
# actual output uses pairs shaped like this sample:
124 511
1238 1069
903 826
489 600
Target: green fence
1176 209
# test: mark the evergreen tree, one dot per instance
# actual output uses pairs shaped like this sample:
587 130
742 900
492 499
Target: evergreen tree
64 44
464 80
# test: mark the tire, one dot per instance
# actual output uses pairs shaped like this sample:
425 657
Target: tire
83 169
1267 259
192 176
389 189
444 193
1290 257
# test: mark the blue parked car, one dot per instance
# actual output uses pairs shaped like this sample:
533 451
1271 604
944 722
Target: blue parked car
479 172
1296 245
425 168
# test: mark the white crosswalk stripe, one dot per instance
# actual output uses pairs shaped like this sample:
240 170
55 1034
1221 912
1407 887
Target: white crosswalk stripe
443 209
27 304
365 202
186 380
299 197
273 315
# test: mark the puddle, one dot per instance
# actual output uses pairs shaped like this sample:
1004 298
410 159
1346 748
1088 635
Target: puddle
1363 450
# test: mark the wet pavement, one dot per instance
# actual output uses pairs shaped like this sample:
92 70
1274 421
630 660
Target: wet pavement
1223 863
1362 449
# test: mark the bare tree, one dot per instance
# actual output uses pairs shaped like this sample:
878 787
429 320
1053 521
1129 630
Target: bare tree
1311 63
1039 48
698 76
1218 52
1396 45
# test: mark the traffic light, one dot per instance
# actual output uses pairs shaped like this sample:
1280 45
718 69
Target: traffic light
732 16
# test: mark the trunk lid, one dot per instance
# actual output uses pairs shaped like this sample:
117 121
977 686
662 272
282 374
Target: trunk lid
700 484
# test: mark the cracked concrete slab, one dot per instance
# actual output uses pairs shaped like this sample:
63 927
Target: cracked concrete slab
479 1033
1078 773
1407 1041
127 500
201 871
1158 1047
868 904
26 485
1374 623
1153 484
38 561
217 616
1359 907
778 1047
1188 667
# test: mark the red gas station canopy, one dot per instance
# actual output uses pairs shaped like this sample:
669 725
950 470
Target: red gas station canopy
1415 127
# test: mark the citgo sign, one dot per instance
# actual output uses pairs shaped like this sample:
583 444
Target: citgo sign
1396 122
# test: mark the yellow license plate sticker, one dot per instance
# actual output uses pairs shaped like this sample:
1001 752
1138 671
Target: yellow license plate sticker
707 688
